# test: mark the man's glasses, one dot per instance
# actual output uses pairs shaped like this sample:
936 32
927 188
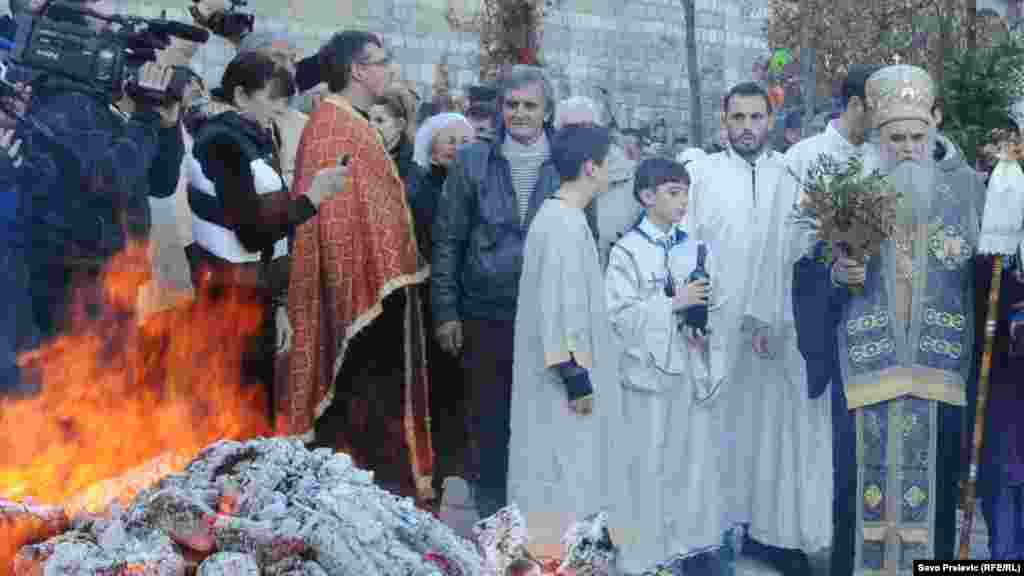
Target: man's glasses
385 61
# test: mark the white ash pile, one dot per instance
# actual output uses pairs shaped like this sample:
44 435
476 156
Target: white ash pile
268 506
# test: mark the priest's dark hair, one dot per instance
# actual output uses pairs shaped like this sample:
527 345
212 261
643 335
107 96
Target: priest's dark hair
575 144
340 52
856 81
654 172
747 89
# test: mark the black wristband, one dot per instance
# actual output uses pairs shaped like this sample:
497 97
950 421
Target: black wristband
579 386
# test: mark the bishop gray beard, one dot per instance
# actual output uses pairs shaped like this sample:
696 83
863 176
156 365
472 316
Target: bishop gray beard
916 181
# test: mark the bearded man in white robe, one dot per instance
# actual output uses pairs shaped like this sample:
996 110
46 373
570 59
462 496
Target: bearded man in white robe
777 469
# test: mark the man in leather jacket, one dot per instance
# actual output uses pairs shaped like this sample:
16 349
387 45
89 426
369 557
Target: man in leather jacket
490 197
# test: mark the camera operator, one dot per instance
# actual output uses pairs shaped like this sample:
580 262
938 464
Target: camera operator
18 332
210 14
99 165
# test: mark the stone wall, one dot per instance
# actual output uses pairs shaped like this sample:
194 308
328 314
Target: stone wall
633 49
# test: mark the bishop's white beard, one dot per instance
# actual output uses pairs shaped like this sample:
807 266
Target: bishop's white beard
915 180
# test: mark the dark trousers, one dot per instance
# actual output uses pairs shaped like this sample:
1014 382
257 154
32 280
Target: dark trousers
18 331
947 479
487 360
447 406
844 478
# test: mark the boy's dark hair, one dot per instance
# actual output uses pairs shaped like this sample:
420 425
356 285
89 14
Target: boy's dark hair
340 52
574 145
856 81
654 172
747 89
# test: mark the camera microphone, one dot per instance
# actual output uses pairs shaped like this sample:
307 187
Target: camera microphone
179 30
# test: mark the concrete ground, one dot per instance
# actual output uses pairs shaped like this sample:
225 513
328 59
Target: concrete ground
979 550
459 513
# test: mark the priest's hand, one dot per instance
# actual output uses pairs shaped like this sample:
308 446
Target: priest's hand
582 406
449 336
847 272
327 183
696 293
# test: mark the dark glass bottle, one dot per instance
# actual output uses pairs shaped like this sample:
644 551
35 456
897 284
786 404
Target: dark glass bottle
697 316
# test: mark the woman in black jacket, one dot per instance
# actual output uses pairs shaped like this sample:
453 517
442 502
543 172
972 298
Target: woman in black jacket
242 212
392 117
436 142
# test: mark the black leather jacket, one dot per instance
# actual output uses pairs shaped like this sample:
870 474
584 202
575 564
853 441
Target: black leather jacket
477 235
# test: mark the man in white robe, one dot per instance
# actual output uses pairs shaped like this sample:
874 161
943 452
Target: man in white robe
564 390
843 139
670 379
774 435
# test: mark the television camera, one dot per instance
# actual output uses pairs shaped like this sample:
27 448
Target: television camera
230 23
58 43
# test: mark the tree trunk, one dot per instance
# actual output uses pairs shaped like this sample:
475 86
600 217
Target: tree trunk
946 12
972 26
808 78
693 70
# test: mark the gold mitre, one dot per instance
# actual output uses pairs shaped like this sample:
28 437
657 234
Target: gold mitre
900 92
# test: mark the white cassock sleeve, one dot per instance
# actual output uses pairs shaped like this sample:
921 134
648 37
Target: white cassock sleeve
564 310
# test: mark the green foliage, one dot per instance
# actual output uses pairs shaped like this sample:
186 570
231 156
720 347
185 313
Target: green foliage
843 205
978 89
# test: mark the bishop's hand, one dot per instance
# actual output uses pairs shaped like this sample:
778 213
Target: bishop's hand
847 272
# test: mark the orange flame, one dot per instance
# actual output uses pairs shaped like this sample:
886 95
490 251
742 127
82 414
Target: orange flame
116 394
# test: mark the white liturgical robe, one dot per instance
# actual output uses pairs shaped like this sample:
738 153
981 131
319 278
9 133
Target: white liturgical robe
671 415
777 473
558 458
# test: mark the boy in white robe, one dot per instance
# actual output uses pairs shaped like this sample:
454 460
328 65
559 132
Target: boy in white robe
670 375
564 369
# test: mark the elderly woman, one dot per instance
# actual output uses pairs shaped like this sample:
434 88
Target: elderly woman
434 150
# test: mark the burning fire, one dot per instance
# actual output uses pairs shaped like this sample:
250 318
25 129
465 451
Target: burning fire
123 403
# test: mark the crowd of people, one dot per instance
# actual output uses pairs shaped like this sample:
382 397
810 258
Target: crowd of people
506 294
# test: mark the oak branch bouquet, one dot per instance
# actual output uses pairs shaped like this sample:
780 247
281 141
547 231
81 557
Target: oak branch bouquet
845 208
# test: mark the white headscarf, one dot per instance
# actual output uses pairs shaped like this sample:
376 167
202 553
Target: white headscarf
425 135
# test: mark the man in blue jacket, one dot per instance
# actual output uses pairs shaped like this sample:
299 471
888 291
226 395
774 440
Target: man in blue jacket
492 192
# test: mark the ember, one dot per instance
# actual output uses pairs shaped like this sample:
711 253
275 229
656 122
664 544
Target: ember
122 403
297 512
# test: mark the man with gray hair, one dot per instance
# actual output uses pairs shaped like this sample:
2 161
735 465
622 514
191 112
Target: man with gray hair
492 193
615 211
